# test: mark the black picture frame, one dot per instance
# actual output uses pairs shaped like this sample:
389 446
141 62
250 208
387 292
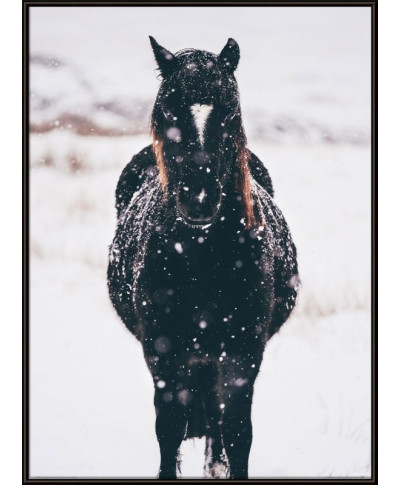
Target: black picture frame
374 240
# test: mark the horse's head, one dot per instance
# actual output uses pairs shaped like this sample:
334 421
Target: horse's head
198 137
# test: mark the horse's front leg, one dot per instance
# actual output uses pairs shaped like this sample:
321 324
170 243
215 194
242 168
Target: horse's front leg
237 431
215 463
170 426
171 416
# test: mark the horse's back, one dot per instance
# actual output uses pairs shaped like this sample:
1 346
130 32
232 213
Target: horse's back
260 173
132 177
136 195
285 274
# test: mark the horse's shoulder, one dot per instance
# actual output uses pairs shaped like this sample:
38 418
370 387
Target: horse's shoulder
132 176
260 173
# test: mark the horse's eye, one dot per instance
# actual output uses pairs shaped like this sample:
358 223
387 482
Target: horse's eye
168 115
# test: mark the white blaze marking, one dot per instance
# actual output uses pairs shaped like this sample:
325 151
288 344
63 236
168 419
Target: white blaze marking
200 114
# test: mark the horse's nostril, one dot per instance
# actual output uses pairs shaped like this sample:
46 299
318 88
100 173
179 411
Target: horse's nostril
198 211
198 199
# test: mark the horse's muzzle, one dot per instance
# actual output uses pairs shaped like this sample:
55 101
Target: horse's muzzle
198 206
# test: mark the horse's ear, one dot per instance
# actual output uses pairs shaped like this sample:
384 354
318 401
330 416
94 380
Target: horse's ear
229 56
165 59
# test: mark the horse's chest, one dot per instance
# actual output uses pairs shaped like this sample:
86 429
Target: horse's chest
200 261
198 278
201 293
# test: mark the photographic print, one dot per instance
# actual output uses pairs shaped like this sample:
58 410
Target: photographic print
200 241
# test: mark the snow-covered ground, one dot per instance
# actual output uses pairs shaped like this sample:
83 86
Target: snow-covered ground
304 81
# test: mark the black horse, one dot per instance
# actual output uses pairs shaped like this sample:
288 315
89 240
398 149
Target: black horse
202 269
